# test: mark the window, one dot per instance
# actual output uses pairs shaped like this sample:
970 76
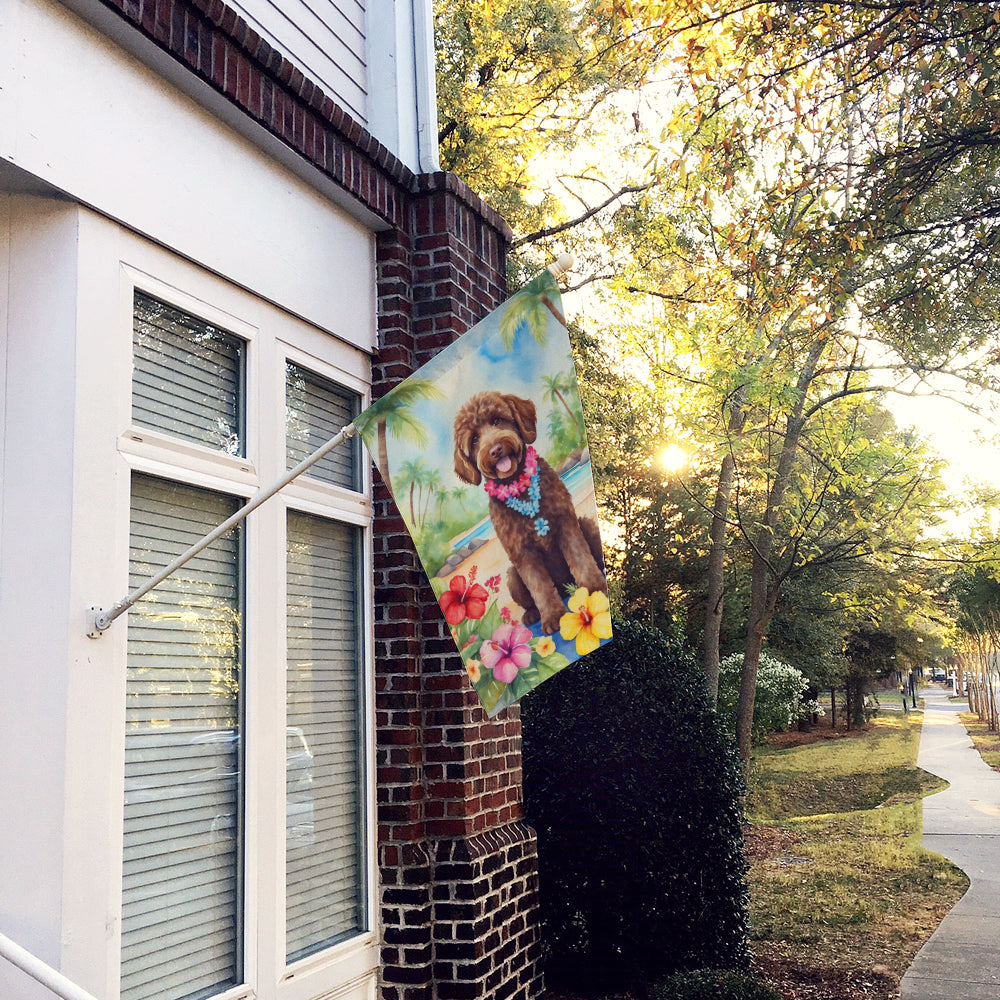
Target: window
325 860
182 870
205 830
187 377
316 409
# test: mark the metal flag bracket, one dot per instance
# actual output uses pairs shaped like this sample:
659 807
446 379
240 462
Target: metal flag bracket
99 619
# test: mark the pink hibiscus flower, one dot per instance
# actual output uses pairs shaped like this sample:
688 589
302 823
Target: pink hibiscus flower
507 652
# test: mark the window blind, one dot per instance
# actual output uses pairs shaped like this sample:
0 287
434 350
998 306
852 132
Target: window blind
182 872
316 409
187 377
325 863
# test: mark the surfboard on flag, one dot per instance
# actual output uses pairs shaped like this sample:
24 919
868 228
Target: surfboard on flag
485 452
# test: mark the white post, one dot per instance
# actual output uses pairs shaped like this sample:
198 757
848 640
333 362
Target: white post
38 970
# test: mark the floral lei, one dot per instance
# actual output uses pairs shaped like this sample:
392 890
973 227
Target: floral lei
510 494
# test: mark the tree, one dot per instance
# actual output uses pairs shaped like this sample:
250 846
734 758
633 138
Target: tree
871 653
789 353
920 79
517 78
849 489
809 218
555 386
433 483
976 593
528 308
413 474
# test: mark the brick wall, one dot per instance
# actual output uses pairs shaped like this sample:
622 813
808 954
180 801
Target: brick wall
458 868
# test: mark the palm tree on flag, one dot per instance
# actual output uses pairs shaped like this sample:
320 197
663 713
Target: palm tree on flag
459 494
433 482
529 306
392 414
413 474
555 386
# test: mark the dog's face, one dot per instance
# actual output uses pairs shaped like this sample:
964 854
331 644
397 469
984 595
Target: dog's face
492 432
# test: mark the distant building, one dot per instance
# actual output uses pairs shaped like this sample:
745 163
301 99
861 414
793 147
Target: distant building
223 230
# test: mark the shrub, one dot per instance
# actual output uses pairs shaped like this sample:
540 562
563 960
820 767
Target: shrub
711 984
779 690
633 788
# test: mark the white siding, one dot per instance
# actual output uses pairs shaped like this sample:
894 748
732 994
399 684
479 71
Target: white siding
66 356
38 397
325 39
80 114
402 97
375 58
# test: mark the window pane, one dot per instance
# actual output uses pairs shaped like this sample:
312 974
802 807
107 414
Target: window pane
325 778
182 873
187 378
315 410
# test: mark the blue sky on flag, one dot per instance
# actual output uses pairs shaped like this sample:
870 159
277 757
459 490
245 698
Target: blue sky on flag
472 365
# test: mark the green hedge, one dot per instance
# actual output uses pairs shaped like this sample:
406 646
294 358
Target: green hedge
711 984
633 788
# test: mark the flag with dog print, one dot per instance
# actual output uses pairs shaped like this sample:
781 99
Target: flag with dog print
485 452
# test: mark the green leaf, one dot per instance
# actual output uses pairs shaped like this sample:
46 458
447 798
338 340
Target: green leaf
550 666
490 691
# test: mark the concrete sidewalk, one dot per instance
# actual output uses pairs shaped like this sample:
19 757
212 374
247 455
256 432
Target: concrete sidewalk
961 959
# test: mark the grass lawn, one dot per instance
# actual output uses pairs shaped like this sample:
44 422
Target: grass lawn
842 894
987 743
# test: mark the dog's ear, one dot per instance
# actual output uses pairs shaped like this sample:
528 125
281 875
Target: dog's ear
524 416
466 470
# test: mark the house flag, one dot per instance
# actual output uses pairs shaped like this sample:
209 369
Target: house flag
485 452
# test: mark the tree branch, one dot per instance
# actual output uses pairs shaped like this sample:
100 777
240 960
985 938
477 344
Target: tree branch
542 234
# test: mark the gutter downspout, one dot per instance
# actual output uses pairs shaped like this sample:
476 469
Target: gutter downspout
425 86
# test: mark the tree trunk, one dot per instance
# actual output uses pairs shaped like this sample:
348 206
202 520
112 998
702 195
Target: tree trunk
716 580
991 695
762 597
383 456
855 703
833 708
761 608
552 309
572 416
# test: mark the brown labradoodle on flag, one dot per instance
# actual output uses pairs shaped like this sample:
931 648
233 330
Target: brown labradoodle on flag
530 507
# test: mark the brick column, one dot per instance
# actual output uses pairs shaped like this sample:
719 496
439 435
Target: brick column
458 867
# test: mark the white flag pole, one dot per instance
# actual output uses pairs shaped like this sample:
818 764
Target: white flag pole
100 619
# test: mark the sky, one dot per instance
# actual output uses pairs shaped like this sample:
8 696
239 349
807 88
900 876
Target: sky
961 438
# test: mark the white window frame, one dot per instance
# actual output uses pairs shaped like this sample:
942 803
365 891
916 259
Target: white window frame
272 337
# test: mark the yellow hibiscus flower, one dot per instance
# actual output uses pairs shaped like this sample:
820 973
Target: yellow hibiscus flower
474 672
588 620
